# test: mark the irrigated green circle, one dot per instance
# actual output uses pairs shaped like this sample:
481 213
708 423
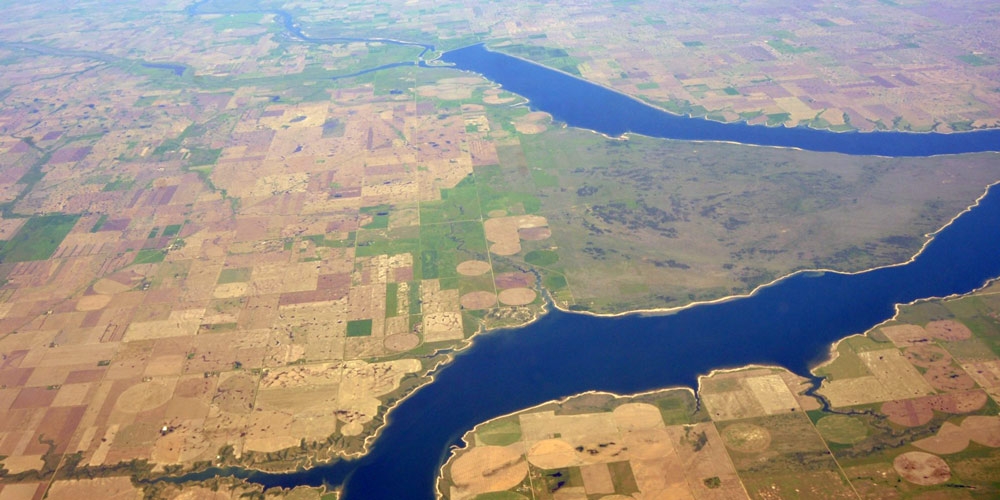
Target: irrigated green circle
842 429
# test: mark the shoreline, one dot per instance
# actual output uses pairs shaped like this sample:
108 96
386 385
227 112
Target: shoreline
448 354
690 116
672 310
455 450
430 375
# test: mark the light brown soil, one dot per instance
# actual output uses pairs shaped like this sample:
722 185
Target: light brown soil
905 335
927 355
514 280
534 233
110 488
478 300
107 286
92 302
910 412
922 468
553 454
746 438
517 296
487 468
633 416
984 430
948 330
948 378
473 268
532 123
143 396
401 342
236 394
503 232
958 402
949 439
493 97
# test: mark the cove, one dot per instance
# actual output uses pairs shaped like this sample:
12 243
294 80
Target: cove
790 323
582 104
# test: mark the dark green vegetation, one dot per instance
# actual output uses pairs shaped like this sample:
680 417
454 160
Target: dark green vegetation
541 257
787 48
500 432
379 215
443 246
456 204
391 299
100 222
974 59
38 238
359 328
149 256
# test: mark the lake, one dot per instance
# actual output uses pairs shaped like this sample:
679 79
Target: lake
582 104
789 323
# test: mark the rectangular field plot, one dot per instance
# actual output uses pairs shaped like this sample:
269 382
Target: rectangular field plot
38 238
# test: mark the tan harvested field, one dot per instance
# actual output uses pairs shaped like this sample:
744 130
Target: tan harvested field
909 413
906 335
503 232
488 468
948 330
948 378
517 296
532 123
662 461
892 377
927 356
743 394
113 488
401 342
922 468
442 326
473 267
479 300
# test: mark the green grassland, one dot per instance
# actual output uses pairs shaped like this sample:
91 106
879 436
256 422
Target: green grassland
655 223
551 57
38 238
458 203
149 256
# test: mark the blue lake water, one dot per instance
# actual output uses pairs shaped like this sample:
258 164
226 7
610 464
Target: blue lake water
790 323
583 104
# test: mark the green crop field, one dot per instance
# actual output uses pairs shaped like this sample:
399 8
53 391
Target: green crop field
38 238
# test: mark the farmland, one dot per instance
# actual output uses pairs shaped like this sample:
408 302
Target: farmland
757 434
217 248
